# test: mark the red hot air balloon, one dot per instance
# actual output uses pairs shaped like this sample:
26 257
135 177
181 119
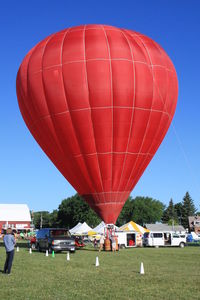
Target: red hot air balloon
99 101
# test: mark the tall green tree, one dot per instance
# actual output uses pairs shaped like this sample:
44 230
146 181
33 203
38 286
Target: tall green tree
73 210
41 219
178 207
144 210
53 219
188 209
126 213
169 214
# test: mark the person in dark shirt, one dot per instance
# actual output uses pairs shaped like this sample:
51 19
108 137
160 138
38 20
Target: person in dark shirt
9 242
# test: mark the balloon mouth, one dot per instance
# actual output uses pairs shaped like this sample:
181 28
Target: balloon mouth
107 205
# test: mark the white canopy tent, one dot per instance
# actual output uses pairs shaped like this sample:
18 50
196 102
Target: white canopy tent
73 230
100 228
83 228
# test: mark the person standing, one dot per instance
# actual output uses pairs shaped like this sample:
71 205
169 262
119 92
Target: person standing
113 240
102 238
95 243
9 242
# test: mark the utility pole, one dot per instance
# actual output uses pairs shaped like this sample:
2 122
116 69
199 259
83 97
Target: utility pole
41 220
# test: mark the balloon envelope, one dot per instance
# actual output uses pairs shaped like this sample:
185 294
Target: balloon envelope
99 101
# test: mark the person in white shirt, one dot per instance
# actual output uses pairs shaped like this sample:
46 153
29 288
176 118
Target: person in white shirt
102 238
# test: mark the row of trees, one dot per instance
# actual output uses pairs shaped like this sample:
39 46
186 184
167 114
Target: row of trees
178 213
142 210
71 211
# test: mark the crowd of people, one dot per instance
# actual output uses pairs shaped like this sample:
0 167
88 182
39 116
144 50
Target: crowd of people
18 234
101 242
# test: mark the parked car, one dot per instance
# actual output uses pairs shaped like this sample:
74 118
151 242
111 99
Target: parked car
193 237
157 239
55 239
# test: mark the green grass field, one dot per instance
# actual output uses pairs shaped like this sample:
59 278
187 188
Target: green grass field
170 273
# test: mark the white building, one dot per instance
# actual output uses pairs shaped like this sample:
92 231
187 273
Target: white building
15 216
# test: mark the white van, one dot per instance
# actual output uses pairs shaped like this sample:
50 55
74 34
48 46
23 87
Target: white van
160 238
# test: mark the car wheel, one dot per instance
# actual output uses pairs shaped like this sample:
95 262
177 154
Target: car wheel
182 245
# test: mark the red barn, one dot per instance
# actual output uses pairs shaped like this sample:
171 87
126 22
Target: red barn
15 216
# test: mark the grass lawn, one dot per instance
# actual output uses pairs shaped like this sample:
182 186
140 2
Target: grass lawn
170 273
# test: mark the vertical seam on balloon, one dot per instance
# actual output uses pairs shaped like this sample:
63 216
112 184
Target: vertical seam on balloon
38 128
32 124
59 144
22 96
139 153
65 96
22 106
132 36
111 90
166 70
30 97
27 74
164 107
86 78
20 89
44 90
133 108
147 126
164 102
154 84
161 66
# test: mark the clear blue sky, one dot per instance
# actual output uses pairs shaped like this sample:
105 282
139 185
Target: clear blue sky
26 174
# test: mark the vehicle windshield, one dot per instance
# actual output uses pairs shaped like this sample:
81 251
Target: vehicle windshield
59 233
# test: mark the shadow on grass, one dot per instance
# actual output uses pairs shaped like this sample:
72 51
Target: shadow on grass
88 249
22 244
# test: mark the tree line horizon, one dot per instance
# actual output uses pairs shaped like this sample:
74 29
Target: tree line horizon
141 210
